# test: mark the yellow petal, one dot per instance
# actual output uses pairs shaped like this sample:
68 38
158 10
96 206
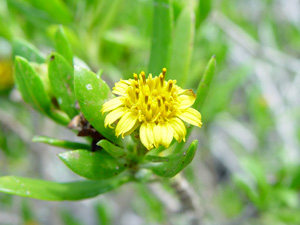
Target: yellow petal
144 137
178 128
191 116
136 125
112 104
118 91
157 135
113 116
186 99
127 121
120 88
167 134
150 133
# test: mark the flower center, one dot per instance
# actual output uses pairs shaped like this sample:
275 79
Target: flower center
152 99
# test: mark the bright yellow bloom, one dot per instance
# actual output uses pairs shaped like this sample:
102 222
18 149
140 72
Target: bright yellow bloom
153 104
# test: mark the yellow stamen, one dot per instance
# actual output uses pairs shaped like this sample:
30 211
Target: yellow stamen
159 101
146 98
170 83
143 77
162 79
164 70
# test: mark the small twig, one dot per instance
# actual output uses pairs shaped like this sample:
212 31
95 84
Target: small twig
189 200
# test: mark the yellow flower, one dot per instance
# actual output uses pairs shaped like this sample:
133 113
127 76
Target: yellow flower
6 74
153 104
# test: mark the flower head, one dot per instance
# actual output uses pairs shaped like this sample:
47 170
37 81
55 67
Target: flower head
153 104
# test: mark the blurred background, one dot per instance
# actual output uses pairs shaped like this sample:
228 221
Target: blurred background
246 170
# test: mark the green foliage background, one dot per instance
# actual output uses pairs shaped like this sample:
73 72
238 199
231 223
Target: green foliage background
246 170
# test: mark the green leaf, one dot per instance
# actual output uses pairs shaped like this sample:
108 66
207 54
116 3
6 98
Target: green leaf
6 30
175 163
204 8
295 178
154 158
91 93
182 46
63 45
56 10
62 83
27 211
161 36
31 85
204 84
33 91
111 148
53 191
103 214
92 165
60 143
69 218
202 91
27 51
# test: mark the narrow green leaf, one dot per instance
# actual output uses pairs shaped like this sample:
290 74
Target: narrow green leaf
27 51
63 45
92 165
55 9
175 163
91 93
204 8
31 85
202 91
111 148
182 46
103 213
53 191
62 83
6 30
60 143
204 84
27 212
161 36
69 218
33 91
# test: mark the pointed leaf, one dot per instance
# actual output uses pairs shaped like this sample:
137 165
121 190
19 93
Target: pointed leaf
175 163
92 165
205 82
161 36
27 51
62 83
111 149
182 46
60 143
62 45
31 85
91 93
53 191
